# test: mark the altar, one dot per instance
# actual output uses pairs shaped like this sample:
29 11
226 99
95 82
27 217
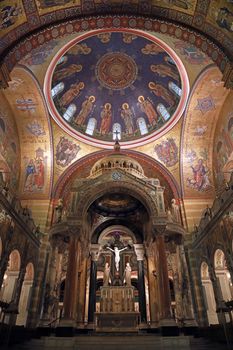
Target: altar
117 311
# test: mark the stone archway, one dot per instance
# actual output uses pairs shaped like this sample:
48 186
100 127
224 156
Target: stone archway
208 292
25 296
10 277
223 275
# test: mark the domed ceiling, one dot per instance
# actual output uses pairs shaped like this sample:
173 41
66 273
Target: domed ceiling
122 83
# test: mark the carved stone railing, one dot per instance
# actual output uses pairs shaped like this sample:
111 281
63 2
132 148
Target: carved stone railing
18 214
211 216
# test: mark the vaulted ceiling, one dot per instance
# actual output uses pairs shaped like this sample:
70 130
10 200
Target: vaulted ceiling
197 35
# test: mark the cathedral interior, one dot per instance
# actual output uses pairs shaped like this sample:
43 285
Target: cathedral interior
116 162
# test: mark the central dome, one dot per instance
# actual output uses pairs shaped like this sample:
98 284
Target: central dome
116 83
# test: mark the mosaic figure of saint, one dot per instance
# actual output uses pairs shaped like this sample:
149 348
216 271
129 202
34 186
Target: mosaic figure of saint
200 180
146 107
106 119
30 173
73 92
80 49
9 15
128 37
39 174
163 71
151 49
104 37
86 109
67 72
160 91
127 116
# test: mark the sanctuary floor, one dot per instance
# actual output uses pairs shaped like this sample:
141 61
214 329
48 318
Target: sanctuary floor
125 342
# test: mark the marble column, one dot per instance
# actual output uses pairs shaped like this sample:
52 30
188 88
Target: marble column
196 289
95 249
52 267
153 285
38 287
82 290
139 250
186 292
70 297
17 291
163 281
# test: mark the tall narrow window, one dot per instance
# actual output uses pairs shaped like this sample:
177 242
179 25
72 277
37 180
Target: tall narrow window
116 131
91 125
61 60
174 88
57 89
162 110
142 126
170 60
69 112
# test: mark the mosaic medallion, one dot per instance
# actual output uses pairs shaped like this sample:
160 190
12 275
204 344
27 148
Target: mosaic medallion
116 70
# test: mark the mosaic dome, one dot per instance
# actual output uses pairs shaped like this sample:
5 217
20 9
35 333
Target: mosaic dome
116 83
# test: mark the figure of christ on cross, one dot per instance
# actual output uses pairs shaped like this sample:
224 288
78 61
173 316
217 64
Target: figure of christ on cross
117 252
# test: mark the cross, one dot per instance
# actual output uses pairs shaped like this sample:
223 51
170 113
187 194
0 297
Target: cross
117 133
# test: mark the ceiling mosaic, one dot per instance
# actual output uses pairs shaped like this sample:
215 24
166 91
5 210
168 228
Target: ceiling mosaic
109 84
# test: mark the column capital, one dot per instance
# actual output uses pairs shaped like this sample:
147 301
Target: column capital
159 229
74 230
139 251
95 251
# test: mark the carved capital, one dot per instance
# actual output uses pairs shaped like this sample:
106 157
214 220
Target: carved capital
159 229
139 251
75 230
95 251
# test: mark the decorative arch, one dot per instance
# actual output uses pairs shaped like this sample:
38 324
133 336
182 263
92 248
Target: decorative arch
223 274
11 275
83 167
14 260
100 189
118 224
219 259
204 270
208 293
35 136
191 36
200 120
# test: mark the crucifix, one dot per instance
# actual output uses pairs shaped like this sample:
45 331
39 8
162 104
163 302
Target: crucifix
117 252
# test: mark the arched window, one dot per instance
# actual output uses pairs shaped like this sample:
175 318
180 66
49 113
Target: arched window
142 126
91 125
61 60
170 60
116 131
57 89
69 112
162 110
174 88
